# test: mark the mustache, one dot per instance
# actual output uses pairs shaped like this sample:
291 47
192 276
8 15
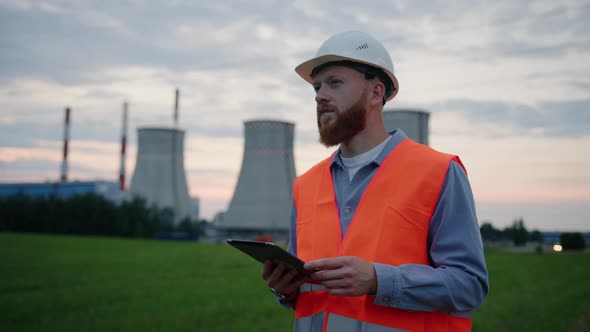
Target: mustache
321 109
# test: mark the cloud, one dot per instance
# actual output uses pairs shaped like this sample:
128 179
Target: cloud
532 30
12 155
11 134
568 118
29 133
68 44
579 84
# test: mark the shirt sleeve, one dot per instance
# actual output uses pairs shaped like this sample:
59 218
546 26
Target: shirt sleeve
457 278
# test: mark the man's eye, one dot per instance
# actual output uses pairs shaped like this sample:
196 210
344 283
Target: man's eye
316 88
335 82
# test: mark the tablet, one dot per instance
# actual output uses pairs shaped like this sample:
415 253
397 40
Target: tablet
263 251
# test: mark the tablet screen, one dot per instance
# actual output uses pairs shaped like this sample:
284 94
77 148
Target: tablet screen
263 251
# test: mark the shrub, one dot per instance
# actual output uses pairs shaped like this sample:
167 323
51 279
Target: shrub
572 241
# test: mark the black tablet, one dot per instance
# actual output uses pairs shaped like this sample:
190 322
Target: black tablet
263 251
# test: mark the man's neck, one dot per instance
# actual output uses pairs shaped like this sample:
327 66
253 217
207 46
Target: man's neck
363 142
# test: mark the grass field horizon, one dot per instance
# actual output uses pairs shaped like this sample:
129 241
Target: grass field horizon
72 283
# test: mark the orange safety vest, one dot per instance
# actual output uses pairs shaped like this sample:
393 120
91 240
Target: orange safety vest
390 226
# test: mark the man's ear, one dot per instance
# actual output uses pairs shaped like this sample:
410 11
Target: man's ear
377 93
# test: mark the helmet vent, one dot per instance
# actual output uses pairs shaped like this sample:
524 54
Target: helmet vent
362 47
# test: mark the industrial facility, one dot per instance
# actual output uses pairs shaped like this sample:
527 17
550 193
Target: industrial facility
159 175
413 122
107 189
262 198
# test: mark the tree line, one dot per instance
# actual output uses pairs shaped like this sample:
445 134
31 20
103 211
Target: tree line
92 214
89 214
518 234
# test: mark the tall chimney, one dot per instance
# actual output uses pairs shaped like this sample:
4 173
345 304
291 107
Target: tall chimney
123 146
177 94
64 164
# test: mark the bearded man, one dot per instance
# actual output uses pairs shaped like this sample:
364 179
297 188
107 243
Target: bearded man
386 225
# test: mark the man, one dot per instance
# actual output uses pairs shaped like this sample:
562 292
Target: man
387 226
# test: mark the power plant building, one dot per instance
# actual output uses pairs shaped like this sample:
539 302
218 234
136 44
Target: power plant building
413 122
262 199
107 189
159 175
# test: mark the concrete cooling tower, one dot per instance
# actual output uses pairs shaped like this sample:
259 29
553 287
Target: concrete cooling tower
159 175
262 199
413 122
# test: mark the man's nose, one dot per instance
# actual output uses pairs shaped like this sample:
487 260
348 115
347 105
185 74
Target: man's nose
321 96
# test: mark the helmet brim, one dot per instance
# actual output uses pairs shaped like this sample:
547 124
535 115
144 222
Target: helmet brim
304 70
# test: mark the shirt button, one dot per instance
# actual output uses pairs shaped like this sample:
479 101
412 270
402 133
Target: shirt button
347 211
385 299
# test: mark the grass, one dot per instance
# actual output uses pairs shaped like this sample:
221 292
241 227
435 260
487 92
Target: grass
61 283
533 292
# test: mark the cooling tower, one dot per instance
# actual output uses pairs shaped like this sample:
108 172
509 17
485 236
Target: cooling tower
413 122
262 198
159 171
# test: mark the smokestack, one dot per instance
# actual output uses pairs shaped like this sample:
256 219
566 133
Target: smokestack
64 164
123 146
177 94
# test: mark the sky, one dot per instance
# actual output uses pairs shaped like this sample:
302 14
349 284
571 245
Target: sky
507 85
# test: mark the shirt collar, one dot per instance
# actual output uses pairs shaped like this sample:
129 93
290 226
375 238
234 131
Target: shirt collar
397 136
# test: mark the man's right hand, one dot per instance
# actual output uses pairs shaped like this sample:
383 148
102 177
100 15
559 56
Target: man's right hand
281 278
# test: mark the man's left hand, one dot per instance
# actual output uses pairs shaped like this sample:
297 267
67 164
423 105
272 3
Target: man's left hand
344 276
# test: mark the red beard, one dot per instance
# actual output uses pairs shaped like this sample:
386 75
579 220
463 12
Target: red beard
346 125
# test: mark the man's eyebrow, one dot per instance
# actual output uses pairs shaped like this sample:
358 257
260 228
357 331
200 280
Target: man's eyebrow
327 78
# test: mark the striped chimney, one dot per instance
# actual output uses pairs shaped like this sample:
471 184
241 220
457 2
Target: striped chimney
176 97
123 148
64 164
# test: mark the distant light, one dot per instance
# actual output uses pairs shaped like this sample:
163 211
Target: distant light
557 247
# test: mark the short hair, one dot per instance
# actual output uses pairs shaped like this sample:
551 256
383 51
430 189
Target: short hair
369 71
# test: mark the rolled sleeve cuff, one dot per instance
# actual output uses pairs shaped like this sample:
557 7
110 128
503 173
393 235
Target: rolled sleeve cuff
388 285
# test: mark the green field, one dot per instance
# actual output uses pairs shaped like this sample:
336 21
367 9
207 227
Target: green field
60 283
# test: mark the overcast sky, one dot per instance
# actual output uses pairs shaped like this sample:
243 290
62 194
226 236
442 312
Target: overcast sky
507 84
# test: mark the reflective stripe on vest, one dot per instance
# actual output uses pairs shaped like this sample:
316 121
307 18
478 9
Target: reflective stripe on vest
337 323
390 226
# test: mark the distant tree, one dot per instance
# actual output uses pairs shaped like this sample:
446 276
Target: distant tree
535 236
517 232
572 241
165 216
83 214
489 233
186 225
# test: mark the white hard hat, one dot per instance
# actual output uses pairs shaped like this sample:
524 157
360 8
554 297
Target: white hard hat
355 46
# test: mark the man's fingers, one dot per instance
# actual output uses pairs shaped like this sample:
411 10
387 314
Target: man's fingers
328 274
276 274
288 282
267 269
284 279
325 264
292 288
